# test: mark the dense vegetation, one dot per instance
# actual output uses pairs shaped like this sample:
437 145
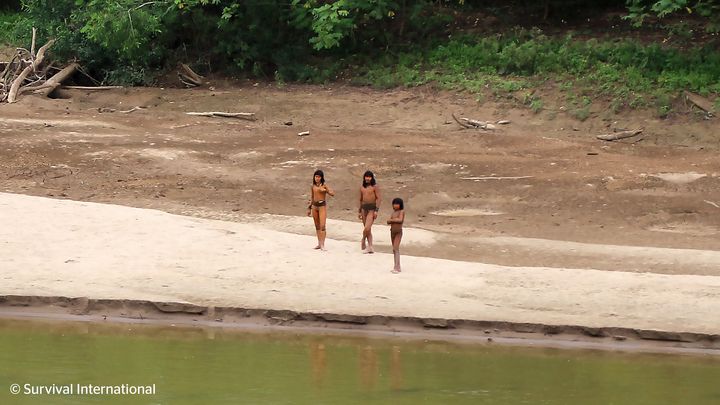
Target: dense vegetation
478 46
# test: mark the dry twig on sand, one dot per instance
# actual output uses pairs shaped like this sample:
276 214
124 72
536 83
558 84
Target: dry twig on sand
240 115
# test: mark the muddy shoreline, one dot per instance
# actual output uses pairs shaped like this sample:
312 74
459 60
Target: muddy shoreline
120 311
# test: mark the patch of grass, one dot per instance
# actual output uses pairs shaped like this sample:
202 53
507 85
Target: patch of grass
625 73
536 105
581 113
531 100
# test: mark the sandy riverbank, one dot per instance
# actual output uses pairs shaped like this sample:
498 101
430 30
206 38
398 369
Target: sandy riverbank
60 248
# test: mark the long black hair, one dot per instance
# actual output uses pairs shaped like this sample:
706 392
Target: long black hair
322 176
399 202
372 178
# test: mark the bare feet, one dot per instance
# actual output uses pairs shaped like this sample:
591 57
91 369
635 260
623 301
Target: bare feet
370 250
395 271
317 247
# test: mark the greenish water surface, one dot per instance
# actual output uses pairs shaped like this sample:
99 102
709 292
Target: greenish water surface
220 366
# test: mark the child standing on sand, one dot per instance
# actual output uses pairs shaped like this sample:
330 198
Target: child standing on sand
396 221
368 210
317 206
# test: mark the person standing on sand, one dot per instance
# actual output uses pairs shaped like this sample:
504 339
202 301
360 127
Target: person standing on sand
318 206
396 222
369 207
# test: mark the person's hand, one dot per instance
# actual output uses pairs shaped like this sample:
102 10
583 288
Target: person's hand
309 212
374 215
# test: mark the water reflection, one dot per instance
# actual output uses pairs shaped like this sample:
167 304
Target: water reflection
219 366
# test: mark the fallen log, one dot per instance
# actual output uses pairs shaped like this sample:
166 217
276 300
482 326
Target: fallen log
52 83
92 87
700 101
620 135
188 77
241 115
470 123
15 87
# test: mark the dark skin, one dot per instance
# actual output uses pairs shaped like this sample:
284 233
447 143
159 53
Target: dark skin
396 220
319 192
369 194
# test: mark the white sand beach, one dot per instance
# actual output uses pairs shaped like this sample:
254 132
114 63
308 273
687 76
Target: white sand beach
51 247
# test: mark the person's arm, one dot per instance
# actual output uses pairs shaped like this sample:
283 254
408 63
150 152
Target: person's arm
398 220
329 191
377 200
310 202
360 203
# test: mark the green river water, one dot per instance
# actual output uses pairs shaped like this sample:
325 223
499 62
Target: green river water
222 366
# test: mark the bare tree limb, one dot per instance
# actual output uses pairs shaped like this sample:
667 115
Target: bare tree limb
92 87
188 77
470 123
32 46
15 87
700 101
458 121
81 70
55 81
620 135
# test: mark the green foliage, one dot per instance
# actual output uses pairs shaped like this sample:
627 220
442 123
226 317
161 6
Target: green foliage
624 73
383 43
259 37
640 10
8 21
100 33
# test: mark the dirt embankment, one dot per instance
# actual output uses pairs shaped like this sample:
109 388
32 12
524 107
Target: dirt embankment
543 176
539 192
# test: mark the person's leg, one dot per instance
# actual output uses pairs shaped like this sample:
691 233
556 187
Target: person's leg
316 218
396 250
367 232
363 214
322 212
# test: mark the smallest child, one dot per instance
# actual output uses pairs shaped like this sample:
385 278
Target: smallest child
396 221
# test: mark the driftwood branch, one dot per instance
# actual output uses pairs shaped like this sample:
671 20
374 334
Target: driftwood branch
700 102
32 45
15 87
188 77
92 87
459 122
470 123
241 115
620 135
55 81
131 110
